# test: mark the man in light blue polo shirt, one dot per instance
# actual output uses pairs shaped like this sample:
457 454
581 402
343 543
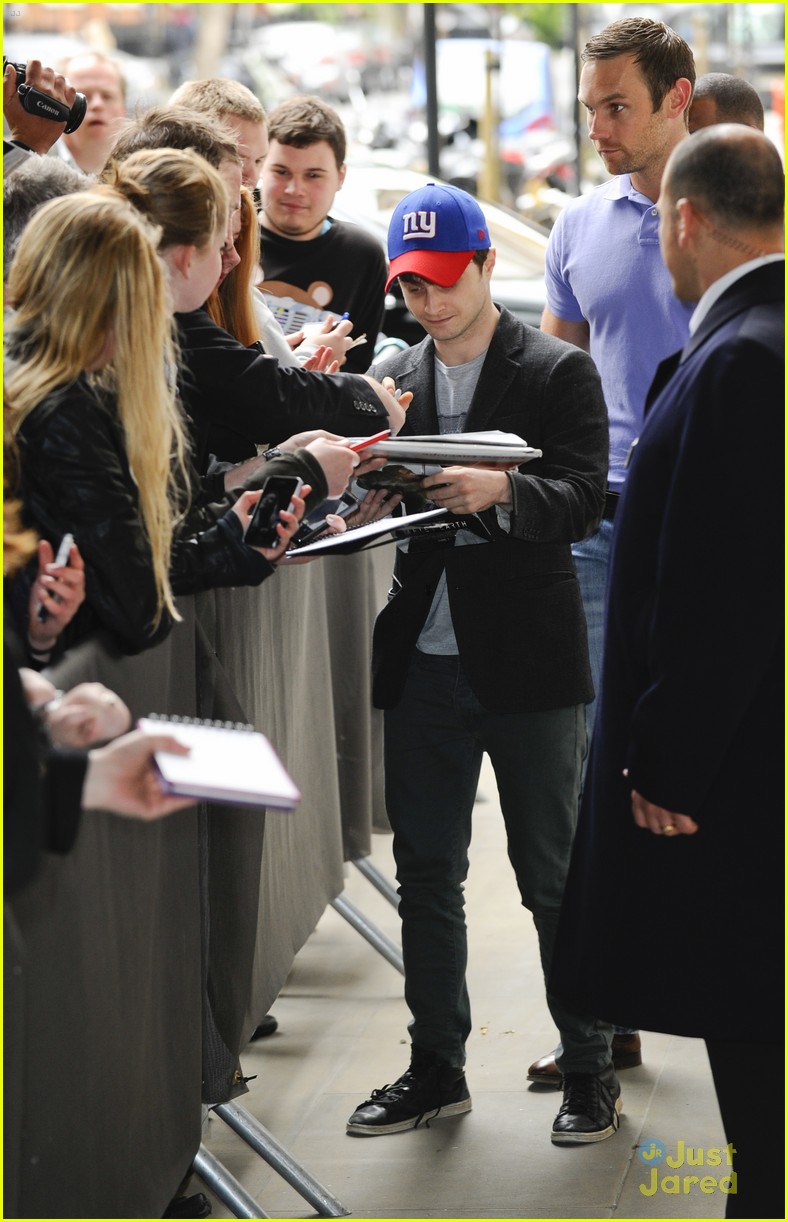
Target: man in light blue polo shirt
608 290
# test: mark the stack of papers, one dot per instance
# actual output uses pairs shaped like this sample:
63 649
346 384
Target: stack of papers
460 448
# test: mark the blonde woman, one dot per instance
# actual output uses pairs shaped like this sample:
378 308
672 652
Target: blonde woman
90 377
234 396
98 458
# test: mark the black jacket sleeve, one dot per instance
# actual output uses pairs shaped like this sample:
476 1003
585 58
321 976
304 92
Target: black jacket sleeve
42 787
216 557
300 462
237 398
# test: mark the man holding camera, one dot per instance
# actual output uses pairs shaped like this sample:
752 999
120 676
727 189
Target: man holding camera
26 107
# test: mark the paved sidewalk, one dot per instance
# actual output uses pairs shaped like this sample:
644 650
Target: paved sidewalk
342 1032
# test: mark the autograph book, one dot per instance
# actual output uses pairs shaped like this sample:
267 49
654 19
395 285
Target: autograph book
386 530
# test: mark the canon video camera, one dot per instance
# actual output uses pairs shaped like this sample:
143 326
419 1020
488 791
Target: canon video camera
45 107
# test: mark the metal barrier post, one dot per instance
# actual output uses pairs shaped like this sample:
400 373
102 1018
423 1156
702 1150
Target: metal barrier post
378 880
373 935
226 1186
266 1145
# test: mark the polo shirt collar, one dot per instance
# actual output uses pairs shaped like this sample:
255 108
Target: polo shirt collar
621 187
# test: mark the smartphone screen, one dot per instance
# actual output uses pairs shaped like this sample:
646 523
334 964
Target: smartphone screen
277 494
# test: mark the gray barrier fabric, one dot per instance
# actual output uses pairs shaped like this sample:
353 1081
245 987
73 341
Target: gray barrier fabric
137 967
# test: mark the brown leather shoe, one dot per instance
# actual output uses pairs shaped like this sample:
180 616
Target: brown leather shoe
626 1055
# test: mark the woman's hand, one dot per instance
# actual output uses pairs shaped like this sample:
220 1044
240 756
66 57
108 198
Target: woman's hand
299 441
60 591
89 713
122 777
378 503
338 462
336 339
395 403
322 360
335 525
286 527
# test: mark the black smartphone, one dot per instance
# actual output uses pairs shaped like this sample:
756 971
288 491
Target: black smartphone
277 494
311 530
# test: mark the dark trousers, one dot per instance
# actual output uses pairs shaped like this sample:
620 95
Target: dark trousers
434 743
748 1079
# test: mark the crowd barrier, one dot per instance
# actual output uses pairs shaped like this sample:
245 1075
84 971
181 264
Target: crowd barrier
137 967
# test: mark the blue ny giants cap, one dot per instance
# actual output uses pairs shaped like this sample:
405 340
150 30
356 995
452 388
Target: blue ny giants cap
434 233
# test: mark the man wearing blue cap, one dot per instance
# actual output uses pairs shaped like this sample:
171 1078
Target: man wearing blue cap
483 648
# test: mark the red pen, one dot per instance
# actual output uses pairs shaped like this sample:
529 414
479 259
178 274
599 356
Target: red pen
370 441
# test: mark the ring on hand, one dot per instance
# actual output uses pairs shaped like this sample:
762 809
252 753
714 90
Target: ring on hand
668 829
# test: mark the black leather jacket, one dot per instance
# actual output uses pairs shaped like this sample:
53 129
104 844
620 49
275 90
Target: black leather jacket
238 397
75 477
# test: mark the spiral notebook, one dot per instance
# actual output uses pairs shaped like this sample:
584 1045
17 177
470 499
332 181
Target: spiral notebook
229 763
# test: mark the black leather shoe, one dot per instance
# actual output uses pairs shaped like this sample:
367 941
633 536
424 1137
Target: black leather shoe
196 1206
625 1052
429 1088
267 1027
590 1108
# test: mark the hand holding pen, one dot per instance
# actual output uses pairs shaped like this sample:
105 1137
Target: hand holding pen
336 337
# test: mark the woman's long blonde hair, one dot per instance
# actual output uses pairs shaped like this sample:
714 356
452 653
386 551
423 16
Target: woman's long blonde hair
230 305
86 272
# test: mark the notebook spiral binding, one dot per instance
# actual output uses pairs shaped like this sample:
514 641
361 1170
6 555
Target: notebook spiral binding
201 721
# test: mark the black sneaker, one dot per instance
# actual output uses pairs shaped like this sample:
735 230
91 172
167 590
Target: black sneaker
429 1088
590 1108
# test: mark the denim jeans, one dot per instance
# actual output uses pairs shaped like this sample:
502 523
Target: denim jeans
434 742
592 559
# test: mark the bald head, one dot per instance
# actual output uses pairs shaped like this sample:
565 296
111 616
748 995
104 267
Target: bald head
722 98
732 173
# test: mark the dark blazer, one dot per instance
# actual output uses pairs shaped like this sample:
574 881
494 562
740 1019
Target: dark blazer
676 933
515 601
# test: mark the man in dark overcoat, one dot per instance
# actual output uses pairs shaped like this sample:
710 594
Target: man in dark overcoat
674 897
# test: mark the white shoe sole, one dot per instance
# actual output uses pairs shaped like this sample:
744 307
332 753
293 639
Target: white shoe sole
381 1130
576 1139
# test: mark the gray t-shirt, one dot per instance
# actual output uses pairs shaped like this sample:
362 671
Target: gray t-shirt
455 386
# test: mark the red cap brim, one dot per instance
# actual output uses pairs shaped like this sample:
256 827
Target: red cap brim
443 267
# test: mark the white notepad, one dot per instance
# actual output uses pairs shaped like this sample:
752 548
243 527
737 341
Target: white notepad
229 763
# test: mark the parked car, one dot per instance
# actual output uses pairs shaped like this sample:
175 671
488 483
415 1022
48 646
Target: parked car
368 198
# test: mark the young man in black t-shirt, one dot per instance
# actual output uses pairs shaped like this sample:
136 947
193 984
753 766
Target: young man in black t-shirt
311 262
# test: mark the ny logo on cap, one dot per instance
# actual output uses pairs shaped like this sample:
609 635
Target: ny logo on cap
419 225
